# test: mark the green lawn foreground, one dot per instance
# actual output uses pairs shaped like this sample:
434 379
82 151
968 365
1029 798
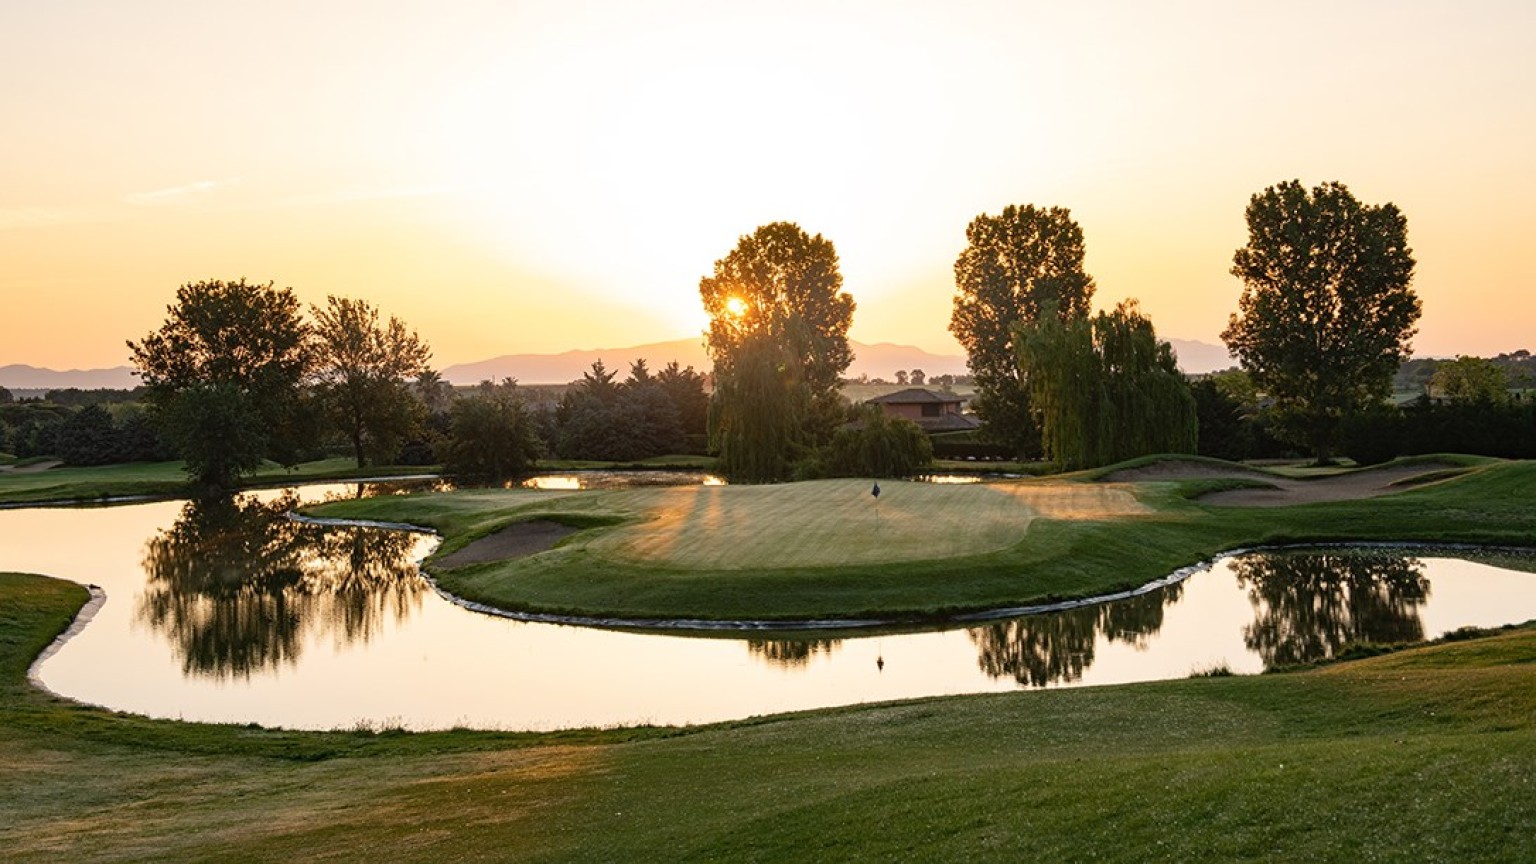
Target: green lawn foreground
1423 755
819 550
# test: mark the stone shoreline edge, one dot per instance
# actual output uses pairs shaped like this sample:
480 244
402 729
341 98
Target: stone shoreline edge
82 618
705 625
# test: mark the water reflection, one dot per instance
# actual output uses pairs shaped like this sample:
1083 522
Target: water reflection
791 653
585 480
237 587
1058 647
1308 606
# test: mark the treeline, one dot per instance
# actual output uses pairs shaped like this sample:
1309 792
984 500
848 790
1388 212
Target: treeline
1238 422
96 434
1480 427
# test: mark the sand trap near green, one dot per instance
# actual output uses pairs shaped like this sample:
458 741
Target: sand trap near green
838 522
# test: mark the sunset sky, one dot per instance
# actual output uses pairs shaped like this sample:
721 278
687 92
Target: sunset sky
537 176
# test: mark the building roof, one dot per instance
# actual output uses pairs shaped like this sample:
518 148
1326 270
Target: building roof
917 396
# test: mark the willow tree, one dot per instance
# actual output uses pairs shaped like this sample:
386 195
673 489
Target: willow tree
1015 265
1326 312
1105 388
759 412
778 336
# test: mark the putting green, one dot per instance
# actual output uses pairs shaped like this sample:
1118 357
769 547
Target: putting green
838 522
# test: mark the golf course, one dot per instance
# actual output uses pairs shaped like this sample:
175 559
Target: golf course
1425 754
830 549
1408 753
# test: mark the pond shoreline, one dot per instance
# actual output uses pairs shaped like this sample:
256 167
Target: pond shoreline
774 625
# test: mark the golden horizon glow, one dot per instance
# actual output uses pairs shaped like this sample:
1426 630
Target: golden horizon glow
543 176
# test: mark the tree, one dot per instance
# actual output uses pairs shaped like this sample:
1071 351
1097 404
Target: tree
491 437
901 377
433 391
223 374
759 411
1105 389
5 396
1015 265
918 377
364 371
88 437
1470 379
778 329
875 445
685 388
1326 312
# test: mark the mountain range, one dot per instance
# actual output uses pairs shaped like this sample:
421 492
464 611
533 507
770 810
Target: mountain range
878 360
19 376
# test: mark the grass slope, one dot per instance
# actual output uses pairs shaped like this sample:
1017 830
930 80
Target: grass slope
1423 755
814 550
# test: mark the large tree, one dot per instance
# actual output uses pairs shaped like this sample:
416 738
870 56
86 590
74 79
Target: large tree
1326 313
364 374
224 373
1106 388
777 311
1015 265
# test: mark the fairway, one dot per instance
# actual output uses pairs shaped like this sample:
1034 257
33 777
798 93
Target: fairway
831 522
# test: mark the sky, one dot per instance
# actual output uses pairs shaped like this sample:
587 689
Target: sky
513 177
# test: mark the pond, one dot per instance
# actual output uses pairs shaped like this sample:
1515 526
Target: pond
235 613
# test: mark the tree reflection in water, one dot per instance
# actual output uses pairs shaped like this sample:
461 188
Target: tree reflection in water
1057 647
1309 605
791 653
238 587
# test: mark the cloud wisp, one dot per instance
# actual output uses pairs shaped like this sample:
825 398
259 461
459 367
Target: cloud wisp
179 194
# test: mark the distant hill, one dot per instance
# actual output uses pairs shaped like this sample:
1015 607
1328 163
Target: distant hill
878 360
22 377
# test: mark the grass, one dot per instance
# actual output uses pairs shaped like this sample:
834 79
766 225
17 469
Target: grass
165 479
675 462
814 550
1426 754
168 479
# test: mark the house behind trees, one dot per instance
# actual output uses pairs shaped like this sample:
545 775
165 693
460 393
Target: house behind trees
932 412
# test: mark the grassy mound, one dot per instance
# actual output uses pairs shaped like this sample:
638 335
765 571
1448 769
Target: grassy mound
816 550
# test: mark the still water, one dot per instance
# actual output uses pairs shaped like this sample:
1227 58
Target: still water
234 613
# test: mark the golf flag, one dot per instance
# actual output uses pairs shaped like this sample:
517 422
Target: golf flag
875 491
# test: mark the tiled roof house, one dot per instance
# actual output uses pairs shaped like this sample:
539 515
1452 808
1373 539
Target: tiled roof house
931 411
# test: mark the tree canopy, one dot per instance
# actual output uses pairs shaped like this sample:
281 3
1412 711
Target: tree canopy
364 372
1015 265
1105 389
1327 310
778 336
224 372
1470 379
491 437
782 283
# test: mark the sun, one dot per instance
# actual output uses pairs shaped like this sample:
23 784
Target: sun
735 307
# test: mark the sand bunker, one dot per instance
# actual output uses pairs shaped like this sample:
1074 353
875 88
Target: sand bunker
514 541
1283 491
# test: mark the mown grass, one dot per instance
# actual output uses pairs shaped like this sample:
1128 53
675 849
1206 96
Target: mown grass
619 566
1427 754
167 479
